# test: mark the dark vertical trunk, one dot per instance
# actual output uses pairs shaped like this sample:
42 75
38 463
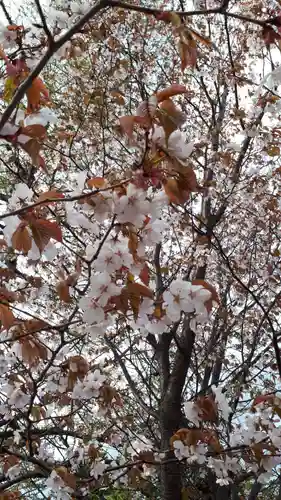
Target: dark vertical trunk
171 414
223 493
255 491
171 480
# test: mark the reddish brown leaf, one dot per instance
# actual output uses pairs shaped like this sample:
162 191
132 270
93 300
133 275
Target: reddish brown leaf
68 478
144 275
6 295
63 292
269 398
173 191
35 131
187 179
260 448
72 279
3 243
210 437
140 290
170 116
269 35
15 27
118 97
6 316
208 409
133 242
169 17
33 351
187 436
53 194
21 239
33 147
36 95
121 302
10 461
200 38
188 53
135 301
97 182
171 91
34 325
43 230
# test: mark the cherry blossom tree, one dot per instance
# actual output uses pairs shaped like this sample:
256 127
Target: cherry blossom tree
140 250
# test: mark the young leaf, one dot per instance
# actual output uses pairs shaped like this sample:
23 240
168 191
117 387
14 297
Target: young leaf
6 316
63 292
43 230
97 182
32 147
36 94
173 191
53 194
170 116
171 91
21 239
35 131
188 52
140 290
144 275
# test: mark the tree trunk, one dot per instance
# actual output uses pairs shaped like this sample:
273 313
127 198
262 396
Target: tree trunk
171 482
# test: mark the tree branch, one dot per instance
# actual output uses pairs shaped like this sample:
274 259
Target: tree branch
44 22
52 49
154 12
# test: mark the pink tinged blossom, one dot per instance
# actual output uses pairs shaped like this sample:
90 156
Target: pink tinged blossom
268 464
159 201
220 467
153 232
222 402
98 469
43 117
139 445
191 413
7 37
58 487
108 260
157 326
115 439
183 296
132 207
21 194
177 146
77 219
193 454
19 399
93 312
103 288
89 387
147 108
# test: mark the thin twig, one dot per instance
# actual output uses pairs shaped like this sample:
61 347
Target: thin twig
44 22
61 200
52 49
